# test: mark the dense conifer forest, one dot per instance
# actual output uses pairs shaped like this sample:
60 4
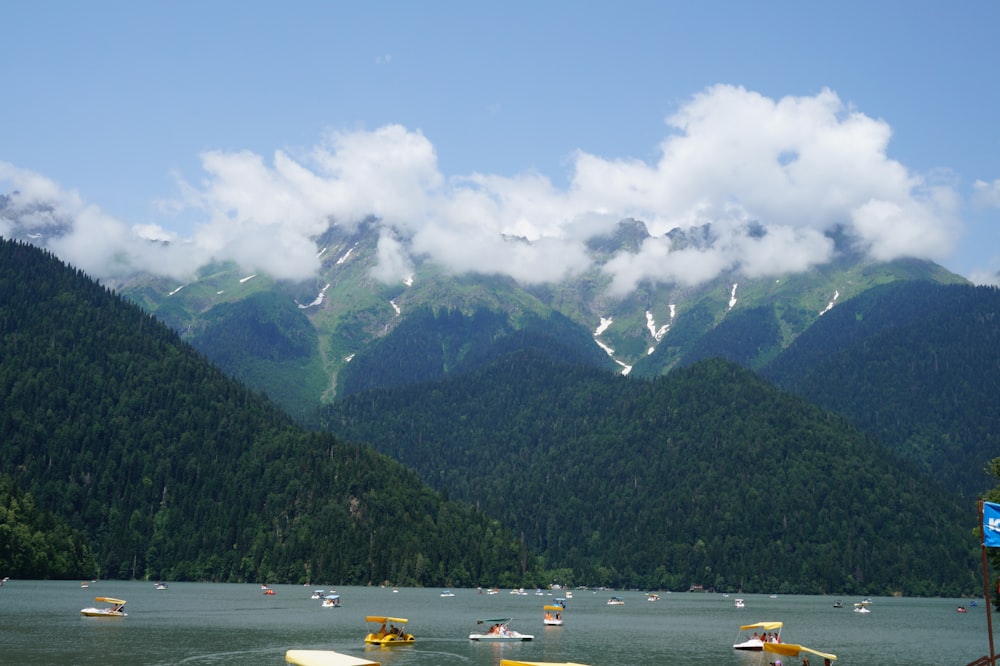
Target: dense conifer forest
708 476
170 470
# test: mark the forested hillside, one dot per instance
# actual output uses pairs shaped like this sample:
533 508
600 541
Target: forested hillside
171 470
915 365
708 476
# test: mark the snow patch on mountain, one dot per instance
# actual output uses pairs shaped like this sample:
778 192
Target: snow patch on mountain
732 295
658 333
605 323
829 306
247 278
395 307
316 301
346 255
175 290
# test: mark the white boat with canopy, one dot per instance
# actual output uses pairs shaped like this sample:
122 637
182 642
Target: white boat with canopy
754 636
116 609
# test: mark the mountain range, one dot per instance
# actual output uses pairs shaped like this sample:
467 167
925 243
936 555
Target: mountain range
680 435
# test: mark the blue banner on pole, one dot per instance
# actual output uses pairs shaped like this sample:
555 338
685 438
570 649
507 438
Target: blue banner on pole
991 524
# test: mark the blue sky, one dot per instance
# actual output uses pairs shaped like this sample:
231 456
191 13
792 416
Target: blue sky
242 128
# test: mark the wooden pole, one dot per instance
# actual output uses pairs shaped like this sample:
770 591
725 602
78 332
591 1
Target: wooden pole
986 585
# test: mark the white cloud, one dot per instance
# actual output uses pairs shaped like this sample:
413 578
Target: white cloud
794 167
987 194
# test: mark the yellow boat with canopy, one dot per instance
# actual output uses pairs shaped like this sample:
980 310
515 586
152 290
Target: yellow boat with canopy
793 650
754 636
390 632
116 609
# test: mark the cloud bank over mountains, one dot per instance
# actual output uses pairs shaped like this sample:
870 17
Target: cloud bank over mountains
796 167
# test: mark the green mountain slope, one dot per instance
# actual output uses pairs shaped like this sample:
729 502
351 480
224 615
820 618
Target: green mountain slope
708 476
913 364
172 470
355 317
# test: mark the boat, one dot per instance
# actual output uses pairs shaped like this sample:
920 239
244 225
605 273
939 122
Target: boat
553 615
754 636
317 594
739 603
512 662
652 596
84 584
961 609
330 601
499 631
391 635
862 607
324 658
447 593
116 609
793 650
616 601
838 604
161 586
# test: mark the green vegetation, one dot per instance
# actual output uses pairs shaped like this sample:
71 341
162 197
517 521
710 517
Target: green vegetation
171 470
708 476
35 544
914 365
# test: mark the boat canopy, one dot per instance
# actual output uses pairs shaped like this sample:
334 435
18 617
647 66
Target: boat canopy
793 650
385 618
324 658
500 620
110 600
553 608
766 626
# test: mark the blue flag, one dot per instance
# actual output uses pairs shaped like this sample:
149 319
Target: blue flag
991 524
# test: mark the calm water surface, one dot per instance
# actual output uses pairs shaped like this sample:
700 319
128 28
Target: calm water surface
204 623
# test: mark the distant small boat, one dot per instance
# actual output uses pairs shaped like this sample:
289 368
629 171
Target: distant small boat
652 596
317 594
616 601
838 604
161 586
331 601
447 593
739 603
862 607
961 609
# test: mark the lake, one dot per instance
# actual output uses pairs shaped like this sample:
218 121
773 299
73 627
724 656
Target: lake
206 623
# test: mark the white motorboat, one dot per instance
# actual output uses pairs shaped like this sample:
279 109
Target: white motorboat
498 631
